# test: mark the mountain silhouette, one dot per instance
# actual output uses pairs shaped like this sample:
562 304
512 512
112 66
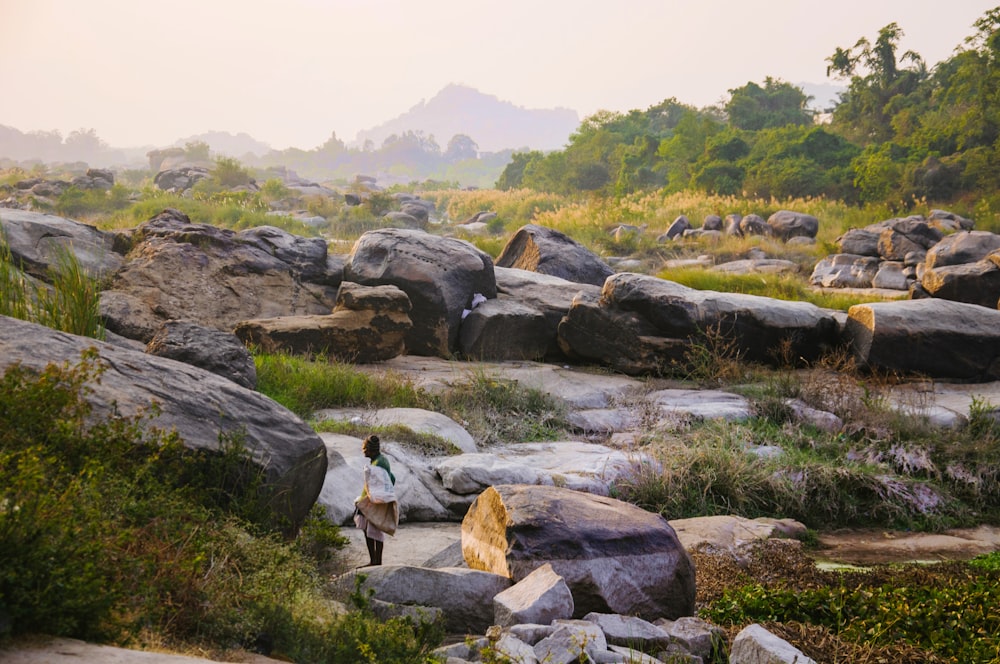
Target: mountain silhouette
492 123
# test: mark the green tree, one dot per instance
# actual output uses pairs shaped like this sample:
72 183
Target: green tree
775 105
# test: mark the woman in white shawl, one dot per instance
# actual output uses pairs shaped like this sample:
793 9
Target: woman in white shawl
376 510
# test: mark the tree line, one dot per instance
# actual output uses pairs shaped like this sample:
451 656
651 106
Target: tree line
900 132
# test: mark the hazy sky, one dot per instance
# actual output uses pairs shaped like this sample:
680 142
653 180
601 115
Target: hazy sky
290 72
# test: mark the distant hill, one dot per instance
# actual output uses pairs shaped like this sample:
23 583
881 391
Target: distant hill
228 144
493 124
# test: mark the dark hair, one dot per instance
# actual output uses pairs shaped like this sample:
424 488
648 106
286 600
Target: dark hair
372 443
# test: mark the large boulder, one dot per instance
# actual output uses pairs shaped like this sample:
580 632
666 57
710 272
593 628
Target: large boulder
221 353
929 337
550 295
654 312
369 324
504 330
975 283
216 277
786 224
859 242
36 241
181 178
615 557
961 248
439 275
202 407
540 249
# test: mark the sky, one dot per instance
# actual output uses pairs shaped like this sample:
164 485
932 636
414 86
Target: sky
292 72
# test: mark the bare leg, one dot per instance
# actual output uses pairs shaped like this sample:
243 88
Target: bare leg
378 552
372 556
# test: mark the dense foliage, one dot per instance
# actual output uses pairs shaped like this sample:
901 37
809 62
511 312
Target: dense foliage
901 132
112 530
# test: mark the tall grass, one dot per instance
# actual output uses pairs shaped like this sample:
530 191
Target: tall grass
70 304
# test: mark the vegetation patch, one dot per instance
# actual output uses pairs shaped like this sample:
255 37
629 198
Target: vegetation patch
425 443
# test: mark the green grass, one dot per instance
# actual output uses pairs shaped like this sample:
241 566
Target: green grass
70 302
496 410
305 386
425 443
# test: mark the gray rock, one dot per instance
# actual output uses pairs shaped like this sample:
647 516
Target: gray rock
975 283
786 224
757 266
698 637
540 249
949 221
180 179
218 278
203 408
732 223
754 224
890 276
515 650
712 222
538 598
504 329
932 337
677 228
219 352
440 276
701 404
845 271
36 241
756 645
571 641
962 247
462 594
623 559
630 631
860 242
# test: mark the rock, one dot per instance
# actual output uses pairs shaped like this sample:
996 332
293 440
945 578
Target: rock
962 247
581 466
550 295
398 219
845 271
949 221
630 631
712 222
820 419
180 179
730 534
36 241
418 210
702 234
602 420
463 595
505 330
540 249
572 641
756 645
859 242
369 324
615 557
203 408
700 404
306 256
439 275
786 224
975 283
219 352
754 224
899 236
757 266
755 325
538 598
696 636
425 421
677 228
931 337
731 224
890 276
514 650
218 278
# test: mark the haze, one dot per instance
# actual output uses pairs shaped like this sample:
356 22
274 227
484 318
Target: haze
291 72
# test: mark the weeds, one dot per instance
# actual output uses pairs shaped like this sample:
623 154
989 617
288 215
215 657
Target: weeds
496 410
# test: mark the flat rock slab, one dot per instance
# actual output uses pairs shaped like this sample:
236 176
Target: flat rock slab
413 544
578 388
868 547
71 651
702 404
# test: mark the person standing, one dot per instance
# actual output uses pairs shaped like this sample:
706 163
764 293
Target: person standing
376 510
